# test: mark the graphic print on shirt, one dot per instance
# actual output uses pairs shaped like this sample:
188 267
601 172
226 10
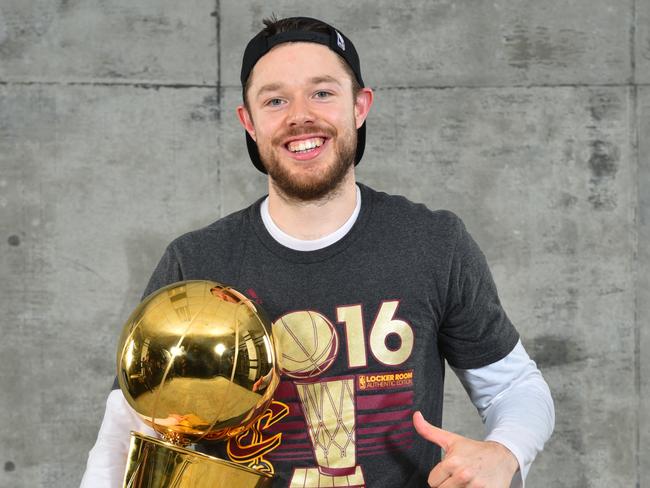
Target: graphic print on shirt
332 421
251 446
308 343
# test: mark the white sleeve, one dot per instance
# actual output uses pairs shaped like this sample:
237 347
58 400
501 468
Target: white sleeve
107 459
515 405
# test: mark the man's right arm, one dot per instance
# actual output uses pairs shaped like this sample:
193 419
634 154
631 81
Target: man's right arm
107 459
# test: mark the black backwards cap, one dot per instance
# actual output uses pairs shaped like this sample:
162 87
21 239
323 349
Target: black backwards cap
335 40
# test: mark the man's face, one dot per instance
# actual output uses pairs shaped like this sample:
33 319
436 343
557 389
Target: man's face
304 119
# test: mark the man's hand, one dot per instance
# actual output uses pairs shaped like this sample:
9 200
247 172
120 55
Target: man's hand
467 463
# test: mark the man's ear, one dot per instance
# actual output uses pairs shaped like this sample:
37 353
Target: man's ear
362 105
246 120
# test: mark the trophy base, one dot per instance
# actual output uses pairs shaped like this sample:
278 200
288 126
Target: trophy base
153 463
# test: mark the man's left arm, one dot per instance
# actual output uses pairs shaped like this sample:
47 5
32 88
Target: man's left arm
516 406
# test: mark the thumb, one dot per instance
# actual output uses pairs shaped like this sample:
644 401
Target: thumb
431 433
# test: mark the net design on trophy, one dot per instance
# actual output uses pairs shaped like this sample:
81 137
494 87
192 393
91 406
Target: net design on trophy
309 344
325 403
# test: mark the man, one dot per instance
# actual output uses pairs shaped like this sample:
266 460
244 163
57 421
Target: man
369 294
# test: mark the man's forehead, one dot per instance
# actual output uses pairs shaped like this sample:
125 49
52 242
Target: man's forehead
304 60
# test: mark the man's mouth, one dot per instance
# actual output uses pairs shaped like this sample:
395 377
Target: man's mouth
306 145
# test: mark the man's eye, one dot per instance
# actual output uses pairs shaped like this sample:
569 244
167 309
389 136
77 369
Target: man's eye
274 102
322 94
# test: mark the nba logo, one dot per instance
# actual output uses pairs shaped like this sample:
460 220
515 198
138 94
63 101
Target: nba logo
339 41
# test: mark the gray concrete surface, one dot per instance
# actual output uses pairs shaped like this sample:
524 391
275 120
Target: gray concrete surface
529 119
643 285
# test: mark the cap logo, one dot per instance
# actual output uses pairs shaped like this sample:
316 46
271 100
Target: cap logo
339 40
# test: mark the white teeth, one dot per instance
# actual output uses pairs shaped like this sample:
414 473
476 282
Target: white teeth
305 145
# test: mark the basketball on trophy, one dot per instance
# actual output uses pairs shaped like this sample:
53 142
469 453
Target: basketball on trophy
308 341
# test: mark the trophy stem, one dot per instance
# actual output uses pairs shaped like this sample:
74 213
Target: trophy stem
174 438
153 463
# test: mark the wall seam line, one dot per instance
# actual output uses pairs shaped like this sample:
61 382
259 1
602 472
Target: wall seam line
219 105
220 87
637 228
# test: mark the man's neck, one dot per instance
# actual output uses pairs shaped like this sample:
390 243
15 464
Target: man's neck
313 220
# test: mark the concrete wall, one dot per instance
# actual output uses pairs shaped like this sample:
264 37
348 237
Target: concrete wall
528 118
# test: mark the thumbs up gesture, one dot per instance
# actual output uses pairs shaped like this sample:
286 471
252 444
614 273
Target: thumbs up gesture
467 463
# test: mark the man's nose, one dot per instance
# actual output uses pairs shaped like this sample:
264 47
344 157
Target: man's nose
300 113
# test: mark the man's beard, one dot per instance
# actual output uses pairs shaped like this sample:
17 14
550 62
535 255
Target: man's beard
318 186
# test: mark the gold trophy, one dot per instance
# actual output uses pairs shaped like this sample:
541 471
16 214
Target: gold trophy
196 361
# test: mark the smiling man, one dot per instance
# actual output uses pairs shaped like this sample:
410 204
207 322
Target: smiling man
302 109
369 294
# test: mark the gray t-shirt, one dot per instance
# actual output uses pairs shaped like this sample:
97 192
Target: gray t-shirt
365 326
